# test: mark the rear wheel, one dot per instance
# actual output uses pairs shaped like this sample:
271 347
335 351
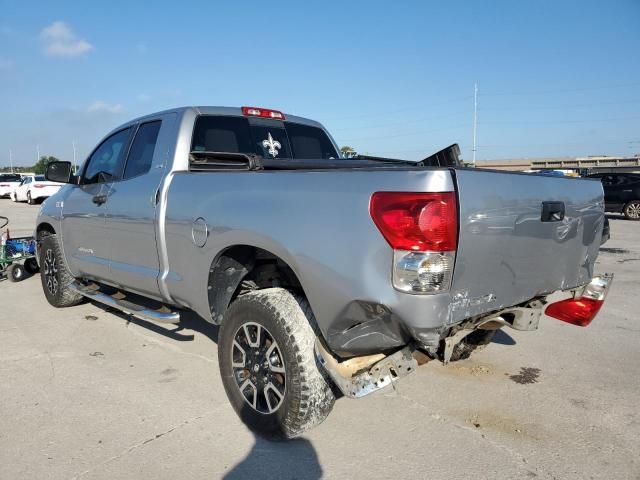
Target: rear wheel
15 272
632 210
268 365
54 275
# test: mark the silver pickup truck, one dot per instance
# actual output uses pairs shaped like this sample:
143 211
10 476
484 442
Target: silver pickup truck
328 276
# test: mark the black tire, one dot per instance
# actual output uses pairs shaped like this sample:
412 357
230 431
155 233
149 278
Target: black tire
15 272
29 199
632 210
54 275
307 397
31 266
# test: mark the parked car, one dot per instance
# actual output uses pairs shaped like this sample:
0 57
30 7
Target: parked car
8 182
327 275
621 193
551 173
34 188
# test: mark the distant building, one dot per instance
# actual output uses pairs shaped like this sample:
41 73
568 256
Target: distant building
601 163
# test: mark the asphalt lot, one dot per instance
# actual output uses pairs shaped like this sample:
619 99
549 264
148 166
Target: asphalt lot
85 393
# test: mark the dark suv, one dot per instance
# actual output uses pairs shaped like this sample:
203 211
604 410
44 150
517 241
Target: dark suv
621 193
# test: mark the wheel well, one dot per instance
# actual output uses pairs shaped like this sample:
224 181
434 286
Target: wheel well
43 230
242 268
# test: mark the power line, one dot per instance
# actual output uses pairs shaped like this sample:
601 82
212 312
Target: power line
559 107
401 110
475 122
397 124
559 144
542 122
408 134
567 90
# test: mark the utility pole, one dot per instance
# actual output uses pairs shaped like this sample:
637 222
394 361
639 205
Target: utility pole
37 153
11 160
475 122
75 167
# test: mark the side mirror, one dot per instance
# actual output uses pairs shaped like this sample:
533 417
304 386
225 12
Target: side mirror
61 172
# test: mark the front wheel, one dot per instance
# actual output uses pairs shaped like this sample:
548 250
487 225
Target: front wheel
54 275
632 210
29 199
268 365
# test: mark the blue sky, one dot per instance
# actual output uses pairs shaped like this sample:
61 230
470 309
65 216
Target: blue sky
388 78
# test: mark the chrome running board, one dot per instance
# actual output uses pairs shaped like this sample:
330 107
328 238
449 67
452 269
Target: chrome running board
119 302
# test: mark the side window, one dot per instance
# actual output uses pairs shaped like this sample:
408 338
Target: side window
142 148
105 162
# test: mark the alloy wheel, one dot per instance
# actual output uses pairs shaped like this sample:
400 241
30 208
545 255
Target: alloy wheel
633 210
50 271
258 368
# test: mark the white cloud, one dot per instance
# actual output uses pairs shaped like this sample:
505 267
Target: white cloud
60 41
143 97
103 107
142 48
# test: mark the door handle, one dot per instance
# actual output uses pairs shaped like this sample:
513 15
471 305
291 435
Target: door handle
99 199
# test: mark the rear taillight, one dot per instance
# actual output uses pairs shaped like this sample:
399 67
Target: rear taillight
262 112
4 185
583 308
39 186
577 311
422 228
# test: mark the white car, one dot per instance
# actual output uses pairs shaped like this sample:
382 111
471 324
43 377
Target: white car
34 188
8 182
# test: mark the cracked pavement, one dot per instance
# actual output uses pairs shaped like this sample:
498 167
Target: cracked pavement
88 394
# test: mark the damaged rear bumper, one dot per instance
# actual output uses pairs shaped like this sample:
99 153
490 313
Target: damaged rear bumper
362 375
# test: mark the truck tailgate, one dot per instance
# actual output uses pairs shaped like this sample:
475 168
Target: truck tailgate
506 253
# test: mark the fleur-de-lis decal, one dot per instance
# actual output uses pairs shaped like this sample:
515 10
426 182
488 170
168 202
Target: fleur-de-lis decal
271 145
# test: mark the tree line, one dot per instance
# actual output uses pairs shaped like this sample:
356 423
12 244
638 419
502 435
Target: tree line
38 169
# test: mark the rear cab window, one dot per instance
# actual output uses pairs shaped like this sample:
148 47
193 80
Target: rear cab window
267 138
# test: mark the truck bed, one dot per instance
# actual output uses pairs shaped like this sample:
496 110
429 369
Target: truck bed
317 221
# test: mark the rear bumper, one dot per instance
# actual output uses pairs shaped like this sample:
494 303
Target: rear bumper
368 327
362 375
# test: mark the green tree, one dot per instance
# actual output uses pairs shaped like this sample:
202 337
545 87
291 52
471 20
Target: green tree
40 167
348 151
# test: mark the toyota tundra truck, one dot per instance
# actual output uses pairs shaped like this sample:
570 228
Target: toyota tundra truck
328 276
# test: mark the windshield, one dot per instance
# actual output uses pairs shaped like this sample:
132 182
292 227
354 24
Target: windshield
267 138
